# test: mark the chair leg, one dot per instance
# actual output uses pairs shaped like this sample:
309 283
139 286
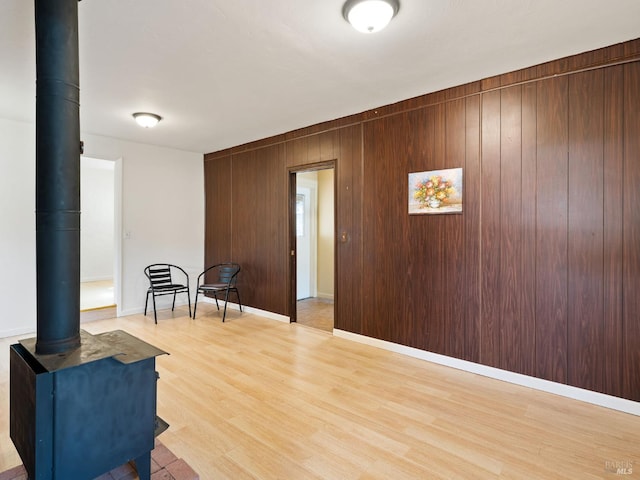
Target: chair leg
173 305
155 314
215 295
145 304
239 302
226 299
195 305
189 301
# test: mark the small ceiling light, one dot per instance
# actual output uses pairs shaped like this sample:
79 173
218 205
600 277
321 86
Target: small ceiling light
147 120
370 16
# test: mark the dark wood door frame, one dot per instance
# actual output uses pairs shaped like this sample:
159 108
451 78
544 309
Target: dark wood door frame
293 281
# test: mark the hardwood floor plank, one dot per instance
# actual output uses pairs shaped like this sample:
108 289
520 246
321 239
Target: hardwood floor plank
258 399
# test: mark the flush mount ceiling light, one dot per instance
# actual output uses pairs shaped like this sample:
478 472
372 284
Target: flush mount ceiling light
147 120
370 16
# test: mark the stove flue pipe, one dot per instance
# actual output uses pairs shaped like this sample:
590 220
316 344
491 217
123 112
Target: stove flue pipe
57 176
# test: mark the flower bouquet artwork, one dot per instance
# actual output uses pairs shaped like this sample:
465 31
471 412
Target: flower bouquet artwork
435 191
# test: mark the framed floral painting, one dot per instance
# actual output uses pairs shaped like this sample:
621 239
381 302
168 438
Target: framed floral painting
435 191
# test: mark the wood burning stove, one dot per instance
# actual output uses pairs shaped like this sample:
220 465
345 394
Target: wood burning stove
78 415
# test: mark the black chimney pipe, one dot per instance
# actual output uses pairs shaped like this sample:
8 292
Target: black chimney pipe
57 176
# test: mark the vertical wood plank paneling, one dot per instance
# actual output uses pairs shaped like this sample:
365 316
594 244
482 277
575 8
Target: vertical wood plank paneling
539 275
613 228
313 149
529 189
585 309
344 288
357 232
260 227
438 324
490 231
393 285
218 211
511 328
246 177
631 240
328 145
439 118
416 298
551 234
349 249
297 152
471 217
369 131
385 296
375 151
423 280
453 234
278 207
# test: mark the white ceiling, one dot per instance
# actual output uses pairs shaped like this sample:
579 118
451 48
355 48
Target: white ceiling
223 73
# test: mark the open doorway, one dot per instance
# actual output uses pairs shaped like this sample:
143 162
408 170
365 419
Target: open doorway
314 226
97 238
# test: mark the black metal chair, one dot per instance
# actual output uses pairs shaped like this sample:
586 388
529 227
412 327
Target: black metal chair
224 277
161 283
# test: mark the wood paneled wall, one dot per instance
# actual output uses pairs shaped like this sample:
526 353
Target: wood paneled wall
539 275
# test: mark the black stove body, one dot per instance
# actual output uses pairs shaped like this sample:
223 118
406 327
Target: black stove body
79 415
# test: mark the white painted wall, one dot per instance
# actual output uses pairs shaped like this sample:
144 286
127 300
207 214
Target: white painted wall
162 208
162 215
326 234
97 219
17 228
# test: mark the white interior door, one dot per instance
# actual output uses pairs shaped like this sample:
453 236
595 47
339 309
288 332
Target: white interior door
303 242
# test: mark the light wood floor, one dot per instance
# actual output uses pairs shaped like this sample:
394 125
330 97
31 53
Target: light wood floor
260 399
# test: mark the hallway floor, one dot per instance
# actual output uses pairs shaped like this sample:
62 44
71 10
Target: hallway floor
98 294
315 312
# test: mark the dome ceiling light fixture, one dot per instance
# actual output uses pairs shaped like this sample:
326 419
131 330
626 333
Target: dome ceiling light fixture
147 120
370 16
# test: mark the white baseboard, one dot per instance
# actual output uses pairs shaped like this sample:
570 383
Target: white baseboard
325 296
595 398
139 310
130 311
254 311
230 305
95 279
27 332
